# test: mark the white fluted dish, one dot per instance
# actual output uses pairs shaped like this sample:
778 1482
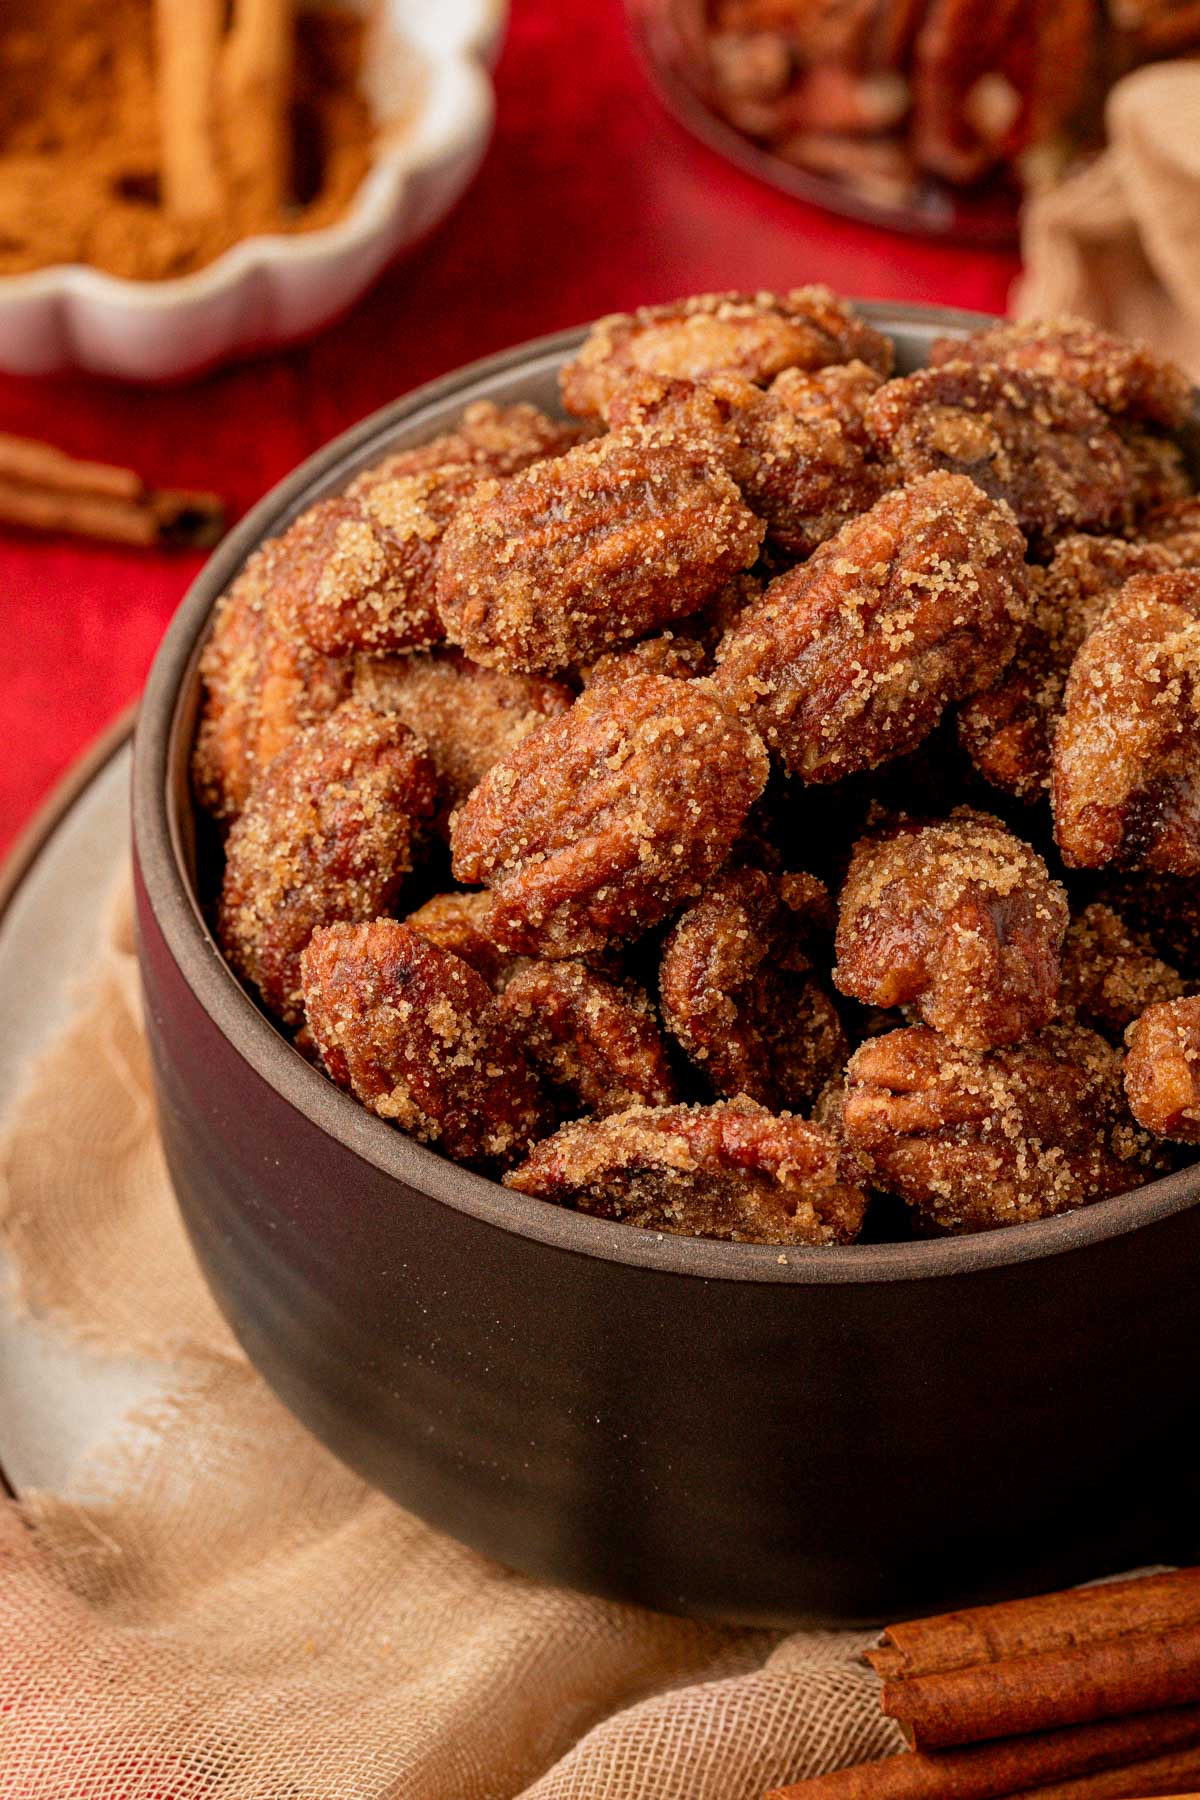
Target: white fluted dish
426 79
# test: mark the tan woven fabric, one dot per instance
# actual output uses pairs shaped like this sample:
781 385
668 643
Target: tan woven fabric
1119 243
219 1609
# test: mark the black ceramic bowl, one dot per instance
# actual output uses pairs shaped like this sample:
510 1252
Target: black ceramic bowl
720 1429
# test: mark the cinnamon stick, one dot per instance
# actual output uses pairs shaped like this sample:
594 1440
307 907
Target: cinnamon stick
1177 1773
256 81
188 34
959 1640
1102 1679
1022 1765
44 489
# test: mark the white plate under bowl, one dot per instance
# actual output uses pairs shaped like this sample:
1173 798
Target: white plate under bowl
426 80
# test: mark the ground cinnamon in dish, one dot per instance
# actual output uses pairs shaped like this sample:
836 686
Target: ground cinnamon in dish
81 161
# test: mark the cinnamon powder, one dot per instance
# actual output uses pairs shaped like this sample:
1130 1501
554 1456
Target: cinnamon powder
80 152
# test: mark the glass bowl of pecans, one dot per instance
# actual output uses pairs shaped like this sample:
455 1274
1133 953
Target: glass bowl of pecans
666 872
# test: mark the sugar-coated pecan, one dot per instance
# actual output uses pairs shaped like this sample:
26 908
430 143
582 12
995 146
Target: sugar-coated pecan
673 653
597 825
958 918
466 716
839 392
596 1043
1177 528
599 547
740 993
731 1171
1126 779
417 1036
324 836
1164 909
972 1139
1007 729
1032 440
1110 974
495 440
1162 1070
1158 472
804 475
460 922
261 684
1124 376
851 658
752 335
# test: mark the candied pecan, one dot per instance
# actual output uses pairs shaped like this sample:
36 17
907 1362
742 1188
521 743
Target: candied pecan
958 918
496 440
596 1043
261 686
1126 778
597 825
1110 974
467 717
851 658
840 392
461 923
993 76
1177 528
416 1035
753 335
1007 729
972 1139
731 1171
671 653
1158 471
1163 909
739 992
603 545
1122 375
324 836
1162 1070
1032 440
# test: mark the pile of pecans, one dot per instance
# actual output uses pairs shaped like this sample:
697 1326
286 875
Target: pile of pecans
891 97
766 807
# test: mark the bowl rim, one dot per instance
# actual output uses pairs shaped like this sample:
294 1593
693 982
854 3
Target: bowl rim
161 753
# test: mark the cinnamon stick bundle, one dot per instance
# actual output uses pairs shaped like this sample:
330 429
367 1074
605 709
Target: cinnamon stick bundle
43 489
1029 1666
1162 1748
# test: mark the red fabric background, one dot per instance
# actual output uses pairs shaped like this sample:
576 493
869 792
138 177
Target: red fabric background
590 199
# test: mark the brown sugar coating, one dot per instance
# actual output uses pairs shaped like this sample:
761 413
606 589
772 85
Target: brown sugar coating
601 546
752 335
324 836
1110 973
732 1171
495 440
1007 730
804 475
973 1139
840 392
1124 376
261 685
851 658
740 993
417 1036
958 918
468 717
460 922
672 653
1162 1070
1126 779
1177 528
596 1043
599 824
1158 471
1036 442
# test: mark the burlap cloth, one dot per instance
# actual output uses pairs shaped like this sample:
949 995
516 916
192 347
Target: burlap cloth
218 1609
1119 243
